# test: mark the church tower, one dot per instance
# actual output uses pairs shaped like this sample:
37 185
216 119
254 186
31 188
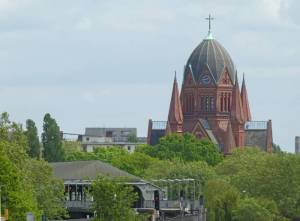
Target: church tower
211 104
210 92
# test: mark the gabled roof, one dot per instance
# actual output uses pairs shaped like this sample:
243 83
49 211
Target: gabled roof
88 170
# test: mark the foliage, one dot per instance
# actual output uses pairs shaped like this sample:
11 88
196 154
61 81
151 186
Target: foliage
51 138
251 209
71 146
247 180
276 148
271 176
186 148
48 190
113 200
132 138
105 154
31 133
27 184
221 198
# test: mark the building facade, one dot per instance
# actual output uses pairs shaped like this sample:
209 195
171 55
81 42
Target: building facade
211 103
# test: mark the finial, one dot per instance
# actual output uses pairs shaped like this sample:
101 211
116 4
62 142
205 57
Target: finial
209 36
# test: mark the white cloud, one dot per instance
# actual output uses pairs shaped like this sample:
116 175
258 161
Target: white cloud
118 57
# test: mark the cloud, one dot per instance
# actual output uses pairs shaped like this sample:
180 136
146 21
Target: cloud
112 62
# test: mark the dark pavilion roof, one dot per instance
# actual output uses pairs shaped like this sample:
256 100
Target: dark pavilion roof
84 170
210 53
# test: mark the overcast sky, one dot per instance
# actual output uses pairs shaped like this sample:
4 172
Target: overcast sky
111 63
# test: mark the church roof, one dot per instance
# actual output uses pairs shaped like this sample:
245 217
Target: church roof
210 53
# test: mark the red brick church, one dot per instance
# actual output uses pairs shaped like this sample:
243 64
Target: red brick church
211 104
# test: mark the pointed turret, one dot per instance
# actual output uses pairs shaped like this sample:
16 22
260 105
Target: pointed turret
236 106
175 117
245 102
229 140
237 116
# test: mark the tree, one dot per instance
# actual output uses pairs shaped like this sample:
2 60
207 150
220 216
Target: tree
113 200
132 138
251 209
33 139
271 176
48 190
185 148
27 184
51 138
221 198
276 148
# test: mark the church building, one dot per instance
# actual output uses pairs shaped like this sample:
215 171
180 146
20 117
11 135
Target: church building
211 103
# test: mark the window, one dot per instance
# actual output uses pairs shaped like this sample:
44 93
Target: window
189 103
202 103
206 103
212 103
109 133
221 101
229 102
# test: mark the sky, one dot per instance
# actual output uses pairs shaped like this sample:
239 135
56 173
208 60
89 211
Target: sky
93 63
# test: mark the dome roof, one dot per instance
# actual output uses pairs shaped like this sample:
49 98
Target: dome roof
210 53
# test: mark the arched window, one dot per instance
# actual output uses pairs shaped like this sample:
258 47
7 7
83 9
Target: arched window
221 102
229 102
202 102
206 103
189 103
212 103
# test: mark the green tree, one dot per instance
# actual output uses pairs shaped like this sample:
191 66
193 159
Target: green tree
221 198
33 139
251 209
49 191
271 176
51 138
132 138
276 148
113 200
185 148
28 184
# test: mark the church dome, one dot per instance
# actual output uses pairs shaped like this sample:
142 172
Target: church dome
210 53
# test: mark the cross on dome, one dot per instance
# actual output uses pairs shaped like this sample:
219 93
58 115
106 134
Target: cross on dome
209 36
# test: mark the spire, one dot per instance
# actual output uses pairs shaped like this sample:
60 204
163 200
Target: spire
245 103
229 140
175 117
236 106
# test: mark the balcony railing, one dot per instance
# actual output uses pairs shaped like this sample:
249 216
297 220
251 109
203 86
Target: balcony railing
164 204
